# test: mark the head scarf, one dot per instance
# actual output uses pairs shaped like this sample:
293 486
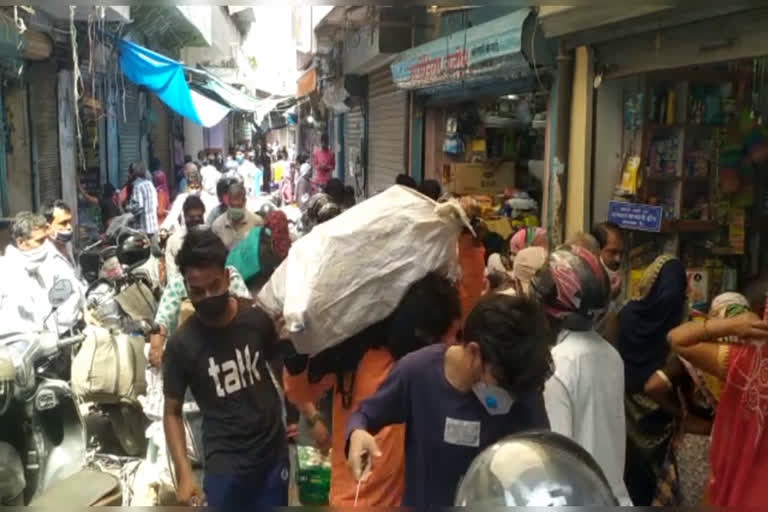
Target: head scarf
305 170
526 264
277 223
527 237
646 320
728 304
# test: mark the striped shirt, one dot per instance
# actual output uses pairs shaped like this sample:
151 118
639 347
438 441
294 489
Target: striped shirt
145 196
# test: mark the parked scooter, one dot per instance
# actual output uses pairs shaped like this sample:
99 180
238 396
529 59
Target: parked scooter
122 297
42 435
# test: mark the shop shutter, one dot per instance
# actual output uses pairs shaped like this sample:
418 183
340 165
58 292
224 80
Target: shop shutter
161 134
128 129
353 157
243 129
45 129
388 138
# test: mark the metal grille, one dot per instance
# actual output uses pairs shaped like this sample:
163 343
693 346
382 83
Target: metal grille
128 129
388 108
44 121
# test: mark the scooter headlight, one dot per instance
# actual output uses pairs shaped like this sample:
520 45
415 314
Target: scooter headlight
7 378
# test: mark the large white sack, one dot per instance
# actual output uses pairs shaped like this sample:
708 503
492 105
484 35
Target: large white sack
350 272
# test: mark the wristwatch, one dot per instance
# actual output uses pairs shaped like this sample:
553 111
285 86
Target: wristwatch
312 421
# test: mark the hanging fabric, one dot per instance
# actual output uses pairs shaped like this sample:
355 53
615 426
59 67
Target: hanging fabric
165 77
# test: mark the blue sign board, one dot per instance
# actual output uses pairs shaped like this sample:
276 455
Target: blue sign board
481 49
641 217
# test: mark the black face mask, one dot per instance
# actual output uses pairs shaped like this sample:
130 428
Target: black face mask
212 308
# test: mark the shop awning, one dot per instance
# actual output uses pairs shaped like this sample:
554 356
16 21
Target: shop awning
209 84
165 77
487 49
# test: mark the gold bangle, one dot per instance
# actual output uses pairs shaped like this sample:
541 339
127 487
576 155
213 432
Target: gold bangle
706 331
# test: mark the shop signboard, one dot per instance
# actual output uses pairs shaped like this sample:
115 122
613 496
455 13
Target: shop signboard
641 217
479 50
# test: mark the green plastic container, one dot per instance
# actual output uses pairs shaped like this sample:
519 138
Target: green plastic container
314 476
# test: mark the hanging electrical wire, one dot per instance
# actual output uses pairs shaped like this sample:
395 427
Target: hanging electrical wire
76 86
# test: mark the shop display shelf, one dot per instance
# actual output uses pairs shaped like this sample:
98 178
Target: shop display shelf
689 226
662 178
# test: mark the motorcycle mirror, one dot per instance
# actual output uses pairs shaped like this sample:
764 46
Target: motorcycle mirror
60 292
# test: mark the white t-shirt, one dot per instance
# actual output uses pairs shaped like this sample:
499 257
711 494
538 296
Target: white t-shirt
585 401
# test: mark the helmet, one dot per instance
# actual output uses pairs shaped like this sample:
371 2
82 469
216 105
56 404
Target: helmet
573 287
266 209
536 469
133 248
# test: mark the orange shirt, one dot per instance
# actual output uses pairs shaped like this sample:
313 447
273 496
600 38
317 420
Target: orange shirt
385 486
472 261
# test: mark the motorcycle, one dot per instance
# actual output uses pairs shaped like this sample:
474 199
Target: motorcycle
42 434
123 295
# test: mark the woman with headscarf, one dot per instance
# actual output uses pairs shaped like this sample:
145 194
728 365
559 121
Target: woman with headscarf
651 403
527 263
730 355
163 195
527 237
287 184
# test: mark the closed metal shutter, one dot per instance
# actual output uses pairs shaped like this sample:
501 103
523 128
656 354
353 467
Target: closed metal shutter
388 138
128 129
161 134
44 121
354 173
243 129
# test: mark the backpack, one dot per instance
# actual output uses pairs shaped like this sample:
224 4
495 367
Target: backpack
109 367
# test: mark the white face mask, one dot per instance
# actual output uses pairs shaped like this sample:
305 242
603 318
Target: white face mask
35 257
497 401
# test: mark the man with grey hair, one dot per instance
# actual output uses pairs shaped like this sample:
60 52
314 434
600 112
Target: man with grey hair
32 268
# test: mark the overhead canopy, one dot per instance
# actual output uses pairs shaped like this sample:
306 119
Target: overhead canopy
209 84
492 48
165 77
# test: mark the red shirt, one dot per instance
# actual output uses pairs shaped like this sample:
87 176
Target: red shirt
323 163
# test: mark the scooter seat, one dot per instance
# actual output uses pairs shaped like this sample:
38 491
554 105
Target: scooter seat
86 488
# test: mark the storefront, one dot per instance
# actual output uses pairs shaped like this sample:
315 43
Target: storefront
681 150
485 115
388 122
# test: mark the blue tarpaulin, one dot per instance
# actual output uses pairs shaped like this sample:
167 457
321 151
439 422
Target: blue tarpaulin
165 77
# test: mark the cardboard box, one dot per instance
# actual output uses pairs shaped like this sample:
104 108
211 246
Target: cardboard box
478 178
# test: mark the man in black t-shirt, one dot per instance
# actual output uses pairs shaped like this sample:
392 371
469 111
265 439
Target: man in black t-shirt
221 355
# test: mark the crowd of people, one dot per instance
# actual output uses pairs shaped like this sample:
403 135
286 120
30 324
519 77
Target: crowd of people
530 337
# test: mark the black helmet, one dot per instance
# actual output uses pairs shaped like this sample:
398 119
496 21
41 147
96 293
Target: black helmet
573 287
266 209
133 248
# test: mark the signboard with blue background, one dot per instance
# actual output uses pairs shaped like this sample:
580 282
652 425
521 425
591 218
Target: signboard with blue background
641 217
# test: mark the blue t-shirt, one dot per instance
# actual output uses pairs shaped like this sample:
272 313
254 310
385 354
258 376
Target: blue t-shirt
445 428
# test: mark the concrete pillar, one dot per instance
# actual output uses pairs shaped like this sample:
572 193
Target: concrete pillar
193 138
579 170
